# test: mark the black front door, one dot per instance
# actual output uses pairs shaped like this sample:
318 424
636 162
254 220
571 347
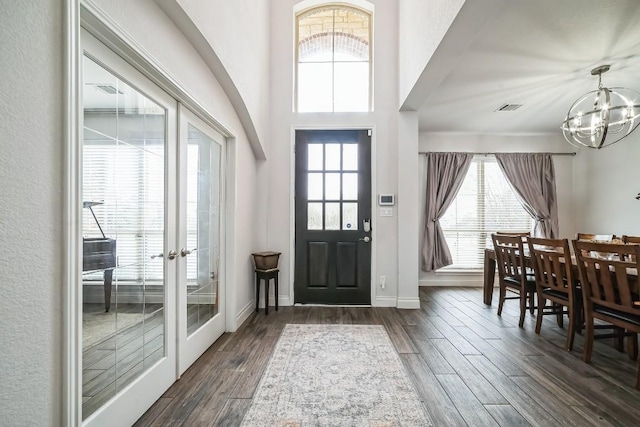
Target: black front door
333 217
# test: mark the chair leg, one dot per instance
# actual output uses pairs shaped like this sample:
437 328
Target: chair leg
503 292
542 302
588 345
638 378
523 308
571 332
559 315
618 341
266 295
632 346
532 302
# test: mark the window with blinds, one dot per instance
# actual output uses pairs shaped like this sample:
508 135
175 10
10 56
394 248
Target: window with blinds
485 204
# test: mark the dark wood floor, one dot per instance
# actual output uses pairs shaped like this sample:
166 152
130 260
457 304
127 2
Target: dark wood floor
469 366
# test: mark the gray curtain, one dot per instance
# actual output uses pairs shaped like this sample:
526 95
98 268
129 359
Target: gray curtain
445 173
532 177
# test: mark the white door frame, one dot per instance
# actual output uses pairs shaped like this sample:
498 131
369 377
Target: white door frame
192 347
292 204
83 14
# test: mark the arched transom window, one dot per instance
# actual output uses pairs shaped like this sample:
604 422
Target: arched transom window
333 59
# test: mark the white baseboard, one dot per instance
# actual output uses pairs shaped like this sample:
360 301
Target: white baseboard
453 279
244 313
411 303
385 301
283 301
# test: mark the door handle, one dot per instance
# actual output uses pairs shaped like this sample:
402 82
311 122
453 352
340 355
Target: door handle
184 252
365 239
172 254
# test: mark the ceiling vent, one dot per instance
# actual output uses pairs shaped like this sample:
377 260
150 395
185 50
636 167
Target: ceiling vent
509 107
108 89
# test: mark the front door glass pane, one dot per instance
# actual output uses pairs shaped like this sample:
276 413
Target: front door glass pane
123 193
203 228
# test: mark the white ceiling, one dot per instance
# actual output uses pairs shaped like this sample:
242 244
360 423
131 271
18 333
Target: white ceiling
538 53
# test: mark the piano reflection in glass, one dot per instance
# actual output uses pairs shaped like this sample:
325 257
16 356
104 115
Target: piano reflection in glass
99 253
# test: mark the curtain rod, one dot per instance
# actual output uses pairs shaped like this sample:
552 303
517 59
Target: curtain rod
493 153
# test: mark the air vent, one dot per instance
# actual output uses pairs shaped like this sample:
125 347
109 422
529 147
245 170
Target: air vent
108 89
509 107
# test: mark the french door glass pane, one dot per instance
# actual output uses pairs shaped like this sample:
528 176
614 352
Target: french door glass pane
203 228
123 235
315 154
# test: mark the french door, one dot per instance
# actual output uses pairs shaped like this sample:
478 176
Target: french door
200 295
333 217
152 283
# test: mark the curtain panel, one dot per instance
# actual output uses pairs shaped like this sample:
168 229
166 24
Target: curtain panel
445 174
532 177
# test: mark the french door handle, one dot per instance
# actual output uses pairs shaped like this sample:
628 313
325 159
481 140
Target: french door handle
184 252
172 254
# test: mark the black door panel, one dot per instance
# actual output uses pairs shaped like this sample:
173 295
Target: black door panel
333 199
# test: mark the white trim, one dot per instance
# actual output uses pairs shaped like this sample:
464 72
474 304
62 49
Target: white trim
244 314
384 301
309 4
72 234
231 322
408 303
292 202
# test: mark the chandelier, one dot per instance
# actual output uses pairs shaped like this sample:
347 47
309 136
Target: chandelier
602 117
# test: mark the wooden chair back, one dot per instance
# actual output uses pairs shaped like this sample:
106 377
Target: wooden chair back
604 276
634 240
552 264
509 259
589 236
514 233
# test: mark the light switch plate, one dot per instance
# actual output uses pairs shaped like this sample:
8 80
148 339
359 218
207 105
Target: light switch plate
386 211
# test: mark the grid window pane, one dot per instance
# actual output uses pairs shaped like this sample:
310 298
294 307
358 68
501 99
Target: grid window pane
332 216
332 157
349 216
349 186
314 186
315 154
332 186
314 216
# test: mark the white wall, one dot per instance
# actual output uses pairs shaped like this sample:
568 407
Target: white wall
423 24
31 147
564 168
238 31
384 118
607 182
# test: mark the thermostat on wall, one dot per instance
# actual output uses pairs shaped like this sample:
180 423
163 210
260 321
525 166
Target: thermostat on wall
386 199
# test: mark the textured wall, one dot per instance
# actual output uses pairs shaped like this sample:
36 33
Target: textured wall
607 182
423 24
31 150
238 31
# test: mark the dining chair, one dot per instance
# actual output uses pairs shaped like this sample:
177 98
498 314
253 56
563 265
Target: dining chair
556 282
590 236
514 233
609 292
512 273
631 240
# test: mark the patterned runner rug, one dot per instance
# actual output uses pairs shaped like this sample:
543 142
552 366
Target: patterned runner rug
335 375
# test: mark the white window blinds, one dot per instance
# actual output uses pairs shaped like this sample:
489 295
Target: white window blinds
485 204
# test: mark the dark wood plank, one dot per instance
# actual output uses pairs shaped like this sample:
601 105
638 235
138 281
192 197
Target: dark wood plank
232 413
506 416
441 409
465 401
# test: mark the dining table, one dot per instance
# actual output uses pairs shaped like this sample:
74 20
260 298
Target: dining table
490 271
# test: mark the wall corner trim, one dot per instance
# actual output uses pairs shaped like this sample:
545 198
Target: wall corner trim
411 303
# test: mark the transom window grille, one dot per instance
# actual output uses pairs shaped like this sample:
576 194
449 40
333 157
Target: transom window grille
333 60
485 204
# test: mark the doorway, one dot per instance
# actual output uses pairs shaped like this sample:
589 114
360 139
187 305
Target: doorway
153 202
333 217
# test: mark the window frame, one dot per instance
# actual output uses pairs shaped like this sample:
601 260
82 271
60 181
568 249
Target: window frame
304 12
483 232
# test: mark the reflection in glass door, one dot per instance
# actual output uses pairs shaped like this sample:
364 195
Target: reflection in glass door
201 321
128 277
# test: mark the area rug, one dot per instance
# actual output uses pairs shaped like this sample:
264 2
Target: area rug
335 375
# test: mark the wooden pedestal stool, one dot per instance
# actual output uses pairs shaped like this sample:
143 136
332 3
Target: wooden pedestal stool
266 275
